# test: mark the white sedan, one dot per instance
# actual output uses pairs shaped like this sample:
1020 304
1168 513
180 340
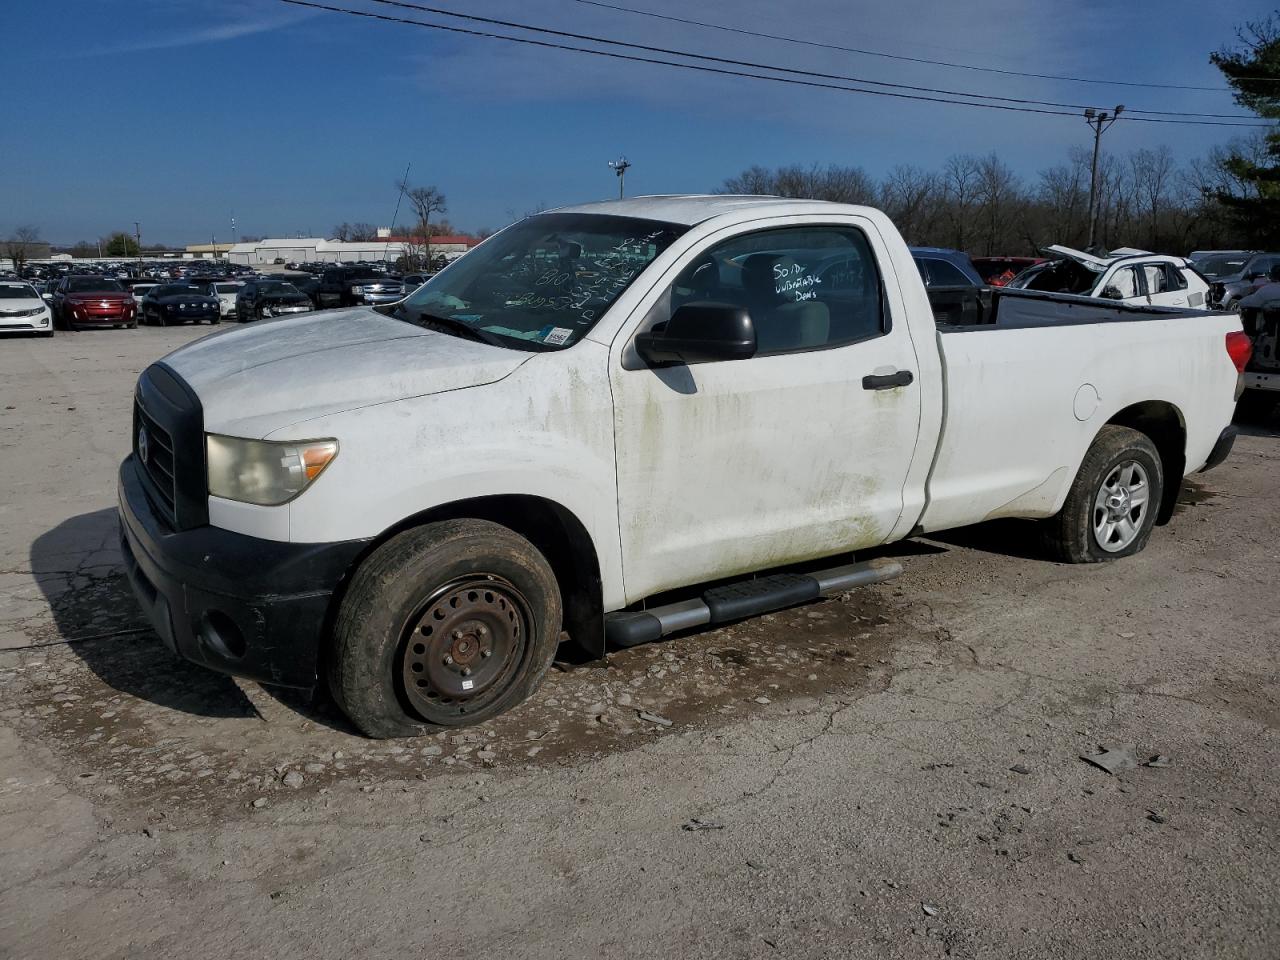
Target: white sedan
23 310
226 294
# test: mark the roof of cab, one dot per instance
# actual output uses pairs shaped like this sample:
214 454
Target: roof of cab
690 209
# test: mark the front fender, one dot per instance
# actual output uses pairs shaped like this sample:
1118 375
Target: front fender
545 431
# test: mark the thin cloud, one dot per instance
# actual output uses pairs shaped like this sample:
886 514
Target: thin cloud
233 29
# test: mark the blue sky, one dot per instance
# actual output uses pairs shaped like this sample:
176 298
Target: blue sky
181 113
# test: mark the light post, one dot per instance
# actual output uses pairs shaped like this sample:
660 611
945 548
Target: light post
620 167
1099 120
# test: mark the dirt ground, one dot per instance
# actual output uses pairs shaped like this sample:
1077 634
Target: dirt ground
894 773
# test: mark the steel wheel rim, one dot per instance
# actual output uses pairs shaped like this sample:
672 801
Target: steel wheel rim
1121 506
464 646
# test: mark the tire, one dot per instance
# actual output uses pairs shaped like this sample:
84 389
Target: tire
1074 534
395 674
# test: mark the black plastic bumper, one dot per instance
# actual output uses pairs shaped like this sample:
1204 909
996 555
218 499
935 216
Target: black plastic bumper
1222 449
233 603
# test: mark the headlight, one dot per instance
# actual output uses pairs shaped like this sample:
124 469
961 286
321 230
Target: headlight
262 471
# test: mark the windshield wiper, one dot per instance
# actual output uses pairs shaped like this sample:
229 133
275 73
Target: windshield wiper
449 325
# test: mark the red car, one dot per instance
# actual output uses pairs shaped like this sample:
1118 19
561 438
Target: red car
94 302
997 271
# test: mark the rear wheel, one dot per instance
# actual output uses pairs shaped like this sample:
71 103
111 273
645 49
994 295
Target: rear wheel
444 625
1111 507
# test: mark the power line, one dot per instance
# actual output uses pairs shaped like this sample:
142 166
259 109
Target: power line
893 56
667 51
724 71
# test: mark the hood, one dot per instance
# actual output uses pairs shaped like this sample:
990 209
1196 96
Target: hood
99 295
201 298
21 307
257 379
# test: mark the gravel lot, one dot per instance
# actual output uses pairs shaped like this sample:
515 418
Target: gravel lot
895 773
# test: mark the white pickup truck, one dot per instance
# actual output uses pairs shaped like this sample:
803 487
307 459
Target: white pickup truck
622 420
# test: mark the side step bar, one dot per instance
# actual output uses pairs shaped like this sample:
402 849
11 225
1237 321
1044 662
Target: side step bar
737 601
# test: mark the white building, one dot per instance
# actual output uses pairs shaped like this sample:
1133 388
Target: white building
319 250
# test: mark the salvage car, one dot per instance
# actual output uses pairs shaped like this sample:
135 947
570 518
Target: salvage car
259 299
93 302
173 303
1127 276
1226 292
610 420
23 310
1260 316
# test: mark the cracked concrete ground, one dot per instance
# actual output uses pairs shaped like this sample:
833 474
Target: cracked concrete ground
894 773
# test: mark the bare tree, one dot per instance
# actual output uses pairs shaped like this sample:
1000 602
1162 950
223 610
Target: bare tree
960 188
426 201
363 232
1152 173
342 232
19 245
1000 200
910 196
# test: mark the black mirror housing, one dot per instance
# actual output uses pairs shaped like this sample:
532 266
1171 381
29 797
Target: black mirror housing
700 333
1112 293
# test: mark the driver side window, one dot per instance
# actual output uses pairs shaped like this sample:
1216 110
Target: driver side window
806 288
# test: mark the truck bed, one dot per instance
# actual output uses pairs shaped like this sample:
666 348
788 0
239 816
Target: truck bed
1031 377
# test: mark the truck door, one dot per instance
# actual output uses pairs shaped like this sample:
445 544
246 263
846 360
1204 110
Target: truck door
799 452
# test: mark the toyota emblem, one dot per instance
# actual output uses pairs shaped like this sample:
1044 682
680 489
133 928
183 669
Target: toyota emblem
144 443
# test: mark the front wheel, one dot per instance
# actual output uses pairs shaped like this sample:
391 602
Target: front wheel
444 625
1112 505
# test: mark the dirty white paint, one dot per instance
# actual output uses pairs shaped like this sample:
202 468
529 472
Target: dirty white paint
690 473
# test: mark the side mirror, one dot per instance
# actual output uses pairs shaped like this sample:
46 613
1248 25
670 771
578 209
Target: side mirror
1112 293
700 333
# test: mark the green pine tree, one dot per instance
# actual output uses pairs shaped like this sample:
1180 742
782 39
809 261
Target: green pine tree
1253 71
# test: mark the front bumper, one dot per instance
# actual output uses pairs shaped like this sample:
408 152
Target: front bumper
38 324
286 309
233 603
1270 382
83 317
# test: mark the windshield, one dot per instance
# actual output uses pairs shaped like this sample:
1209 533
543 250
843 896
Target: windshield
543 283
226 287
18 291
1215 267
178 290
278 288
93 285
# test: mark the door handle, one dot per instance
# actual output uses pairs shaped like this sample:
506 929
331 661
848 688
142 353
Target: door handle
887 381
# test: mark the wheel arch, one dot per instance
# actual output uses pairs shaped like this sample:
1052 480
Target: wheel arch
557 533
1166 427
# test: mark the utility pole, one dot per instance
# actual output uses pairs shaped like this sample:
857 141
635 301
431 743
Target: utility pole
137 232
1099 120
620 167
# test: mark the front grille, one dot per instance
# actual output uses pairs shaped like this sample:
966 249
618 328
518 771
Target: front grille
157 460
168 418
